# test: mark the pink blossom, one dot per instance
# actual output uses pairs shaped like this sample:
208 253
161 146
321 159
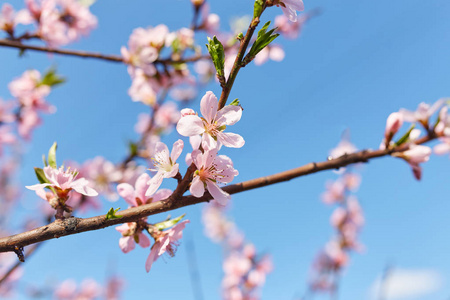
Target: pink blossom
444 147
102 174
144 46
62 21
274 52
136 196
6 136
184 94
335 192
63 181
443 127
89 290
393 124
290 8
211 170
423 112
144 88
6 115
216 226
167 241
210 22
131 235
213 124
166 116
289 29
9 18
30 91
414 156
77 18
344 147
165 165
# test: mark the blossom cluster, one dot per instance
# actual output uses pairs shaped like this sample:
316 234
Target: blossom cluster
415 154
347 219
244 270
57 22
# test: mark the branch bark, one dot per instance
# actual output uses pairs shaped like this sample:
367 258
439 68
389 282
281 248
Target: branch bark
74 225
85 54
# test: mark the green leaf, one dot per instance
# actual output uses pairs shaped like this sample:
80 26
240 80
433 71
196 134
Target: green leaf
264 38
112 214
215 49
41 175
169 223
51 78
133 147
257 8
235 102
52 156
44 160
405 137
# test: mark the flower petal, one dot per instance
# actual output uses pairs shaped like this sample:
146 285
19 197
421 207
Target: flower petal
154 184
218 194
126 243
208 106
144 241
81 186
126 191
190 125
197 188
176 150
229 115
231 140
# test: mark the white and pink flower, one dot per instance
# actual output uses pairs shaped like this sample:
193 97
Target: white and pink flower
165 164
166 241
213 123
212 170
64 181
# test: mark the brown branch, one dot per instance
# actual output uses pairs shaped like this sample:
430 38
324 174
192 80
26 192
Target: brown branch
85 54
73 225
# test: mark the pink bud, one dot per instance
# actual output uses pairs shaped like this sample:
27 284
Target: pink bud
187 112
393 124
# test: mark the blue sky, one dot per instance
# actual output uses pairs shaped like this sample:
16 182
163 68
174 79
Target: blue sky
352 66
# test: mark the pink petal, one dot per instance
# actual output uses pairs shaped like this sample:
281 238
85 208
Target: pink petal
126 191
144 241
126 243
176 150
81 186
152 257
142 186
229 115
197 188
162 152
231 140
154 184
218 194
38 186
208 106
161 195
173 172
441 149
208 142
276 53
190 125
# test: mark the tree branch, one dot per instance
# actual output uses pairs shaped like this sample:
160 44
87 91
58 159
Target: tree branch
85 54
74 225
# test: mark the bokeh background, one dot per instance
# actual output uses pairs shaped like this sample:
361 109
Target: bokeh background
352 66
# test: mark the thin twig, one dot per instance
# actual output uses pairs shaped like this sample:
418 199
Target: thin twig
85 54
